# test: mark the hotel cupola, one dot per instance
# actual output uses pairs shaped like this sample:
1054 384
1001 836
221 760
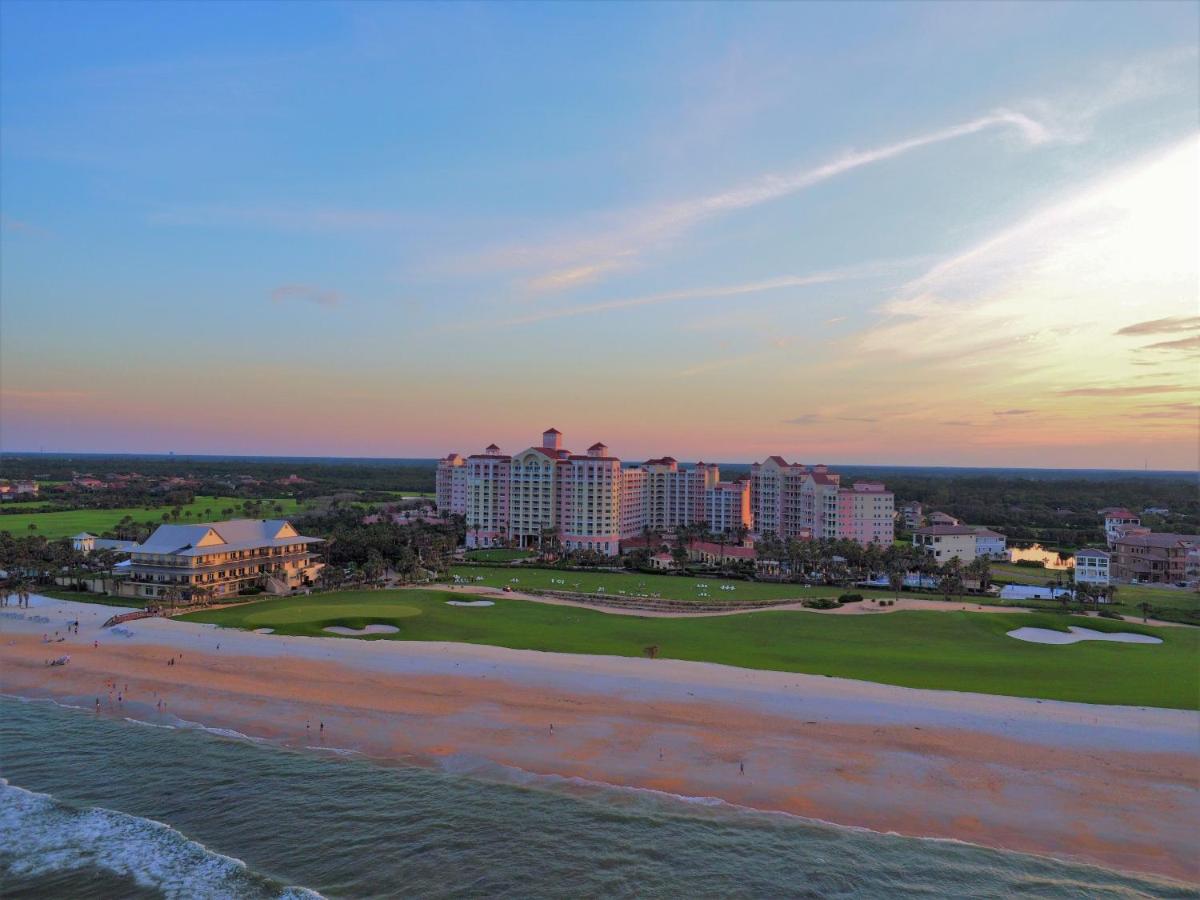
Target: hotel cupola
552 439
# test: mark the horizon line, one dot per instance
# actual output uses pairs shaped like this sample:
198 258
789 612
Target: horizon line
191 455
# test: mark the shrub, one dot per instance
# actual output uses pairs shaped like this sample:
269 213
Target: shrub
822 603
1030 563
850 598
1110 614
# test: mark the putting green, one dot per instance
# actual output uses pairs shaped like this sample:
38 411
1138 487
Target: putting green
324 613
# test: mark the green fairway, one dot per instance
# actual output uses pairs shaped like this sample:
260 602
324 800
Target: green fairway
97 521
671 587
498 554
959 651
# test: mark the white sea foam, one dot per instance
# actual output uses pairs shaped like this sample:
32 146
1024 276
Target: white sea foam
220 732
340 751
149 724
42 835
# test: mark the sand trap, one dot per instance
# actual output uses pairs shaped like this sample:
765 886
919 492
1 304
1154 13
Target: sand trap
370 629
264 630
1048 636
470 603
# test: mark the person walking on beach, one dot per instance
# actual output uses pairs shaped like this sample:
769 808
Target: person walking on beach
551 729
322 728
741 768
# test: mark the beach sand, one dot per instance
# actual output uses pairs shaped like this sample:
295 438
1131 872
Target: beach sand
1117 786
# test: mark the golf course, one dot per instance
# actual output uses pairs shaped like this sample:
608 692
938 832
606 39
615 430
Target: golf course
960 651
671 587
98 521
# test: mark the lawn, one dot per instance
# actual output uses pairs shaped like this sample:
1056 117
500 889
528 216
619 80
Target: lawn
960 651
671 587
97 521
498 554
89 597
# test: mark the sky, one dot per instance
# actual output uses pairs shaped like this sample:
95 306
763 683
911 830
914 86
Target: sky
912 234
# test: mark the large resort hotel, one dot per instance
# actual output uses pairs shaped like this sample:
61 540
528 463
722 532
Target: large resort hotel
221 558
591 501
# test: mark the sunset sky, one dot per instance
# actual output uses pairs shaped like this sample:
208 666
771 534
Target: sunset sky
958 234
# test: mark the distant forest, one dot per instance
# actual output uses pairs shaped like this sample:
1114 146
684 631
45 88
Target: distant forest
325 475
1056 507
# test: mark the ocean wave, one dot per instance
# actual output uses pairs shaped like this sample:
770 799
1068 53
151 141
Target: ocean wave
340 751
44 836
49 700
219 732
148 724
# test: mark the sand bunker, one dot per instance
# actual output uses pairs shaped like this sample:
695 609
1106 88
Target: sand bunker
470 603
264 630
370 629
1077 634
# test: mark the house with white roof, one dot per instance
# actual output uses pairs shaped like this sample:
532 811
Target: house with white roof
220 558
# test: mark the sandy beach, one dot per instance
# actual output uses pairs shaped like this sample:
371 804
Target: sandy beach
1117 786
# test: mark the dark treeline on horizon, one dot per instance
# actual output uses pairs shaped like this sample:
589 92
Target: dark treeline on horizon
1053 506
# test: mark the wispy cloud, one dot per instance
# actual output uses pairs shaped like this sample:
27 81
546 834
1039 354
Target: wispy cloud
1013 412
566 279
44 395
1168 325
19 226
957 423
587 257
306 293
1175 411
1187 343
701 293
813 418
282 218
1125 390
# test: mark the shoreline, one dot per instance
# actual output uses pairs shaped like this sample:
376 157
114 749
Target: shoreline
1002 772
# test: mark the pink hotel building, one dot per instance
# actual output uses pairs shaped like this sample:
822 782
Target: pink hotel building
590 502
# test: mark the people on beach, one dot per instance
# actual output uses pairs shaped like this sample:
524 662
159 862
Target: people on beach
741 768
552 728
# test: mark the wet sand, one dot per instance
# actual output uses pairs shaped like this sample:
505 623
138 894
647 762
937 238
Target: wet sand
1117 786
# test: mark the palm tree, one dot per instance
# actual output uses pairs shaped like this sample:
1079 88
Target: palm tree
1146 610
172 595
951 581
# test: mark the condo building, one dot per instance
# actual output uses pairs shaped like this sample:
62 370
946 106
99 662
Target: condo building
451 493
790 500
546 494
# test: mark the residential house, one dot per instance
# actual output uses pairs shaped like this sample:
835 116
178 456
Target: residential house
1093 566
947 542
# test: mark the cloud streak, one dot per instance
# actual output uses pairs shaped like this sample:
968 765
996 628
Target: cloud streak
1168 325
1124 391
703 293
589 257
306 293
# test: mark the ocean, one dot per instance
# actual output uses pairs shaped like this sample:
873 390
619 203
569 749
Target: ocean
102 807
